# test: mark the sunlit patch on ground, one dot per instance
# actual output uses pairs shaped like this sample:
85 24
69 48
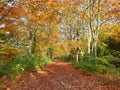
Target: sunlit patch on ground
42 72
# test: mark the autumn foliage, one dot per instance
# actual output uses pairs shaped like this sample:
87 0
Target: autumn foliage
82 31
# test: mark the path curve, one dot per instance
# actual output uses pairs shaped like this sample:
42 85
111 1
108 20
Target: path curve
60 76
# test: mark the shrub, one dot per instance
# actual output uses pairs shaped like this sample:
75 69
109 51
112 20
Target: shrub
115 53
89 67
113 60
23 62
95 65
44 61
29 62
3 69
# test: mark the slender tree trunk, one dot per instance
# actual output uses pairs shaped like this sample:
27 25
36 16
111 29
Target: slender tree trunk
95 48
34 42
50 52
30 45
92 48
97 29
90 29
77 55
89 44
77 58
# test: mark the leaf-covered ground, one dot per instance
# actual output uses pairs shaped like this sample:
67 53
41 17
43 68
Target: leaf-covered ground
59 76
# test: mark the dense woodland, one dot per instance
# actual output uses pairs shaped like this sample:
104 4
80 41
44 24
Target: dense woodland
34 33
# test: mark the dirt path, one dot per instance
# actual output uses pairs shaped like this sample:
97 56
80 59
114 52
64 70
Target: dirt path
60 76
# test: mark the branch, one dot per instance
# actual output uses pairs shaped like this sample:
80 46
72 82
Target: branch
4 6
2 17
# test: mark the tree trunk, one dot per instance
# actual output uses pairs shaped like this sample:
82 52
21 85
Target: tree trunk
95 49
90 28
30 46
34 42
77 56
89 42
51 52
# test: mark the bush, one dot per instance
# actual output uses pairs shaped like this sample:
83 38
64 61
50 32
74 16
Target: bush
23 62
89 67
95 65
113 60
29 62
44 61
116 53
3 69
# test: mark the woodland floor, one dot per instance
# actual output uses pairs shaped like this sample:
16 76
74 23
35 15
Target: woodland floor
59 76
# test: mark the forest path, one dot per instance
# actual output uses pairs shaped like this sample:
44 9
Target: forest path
60 76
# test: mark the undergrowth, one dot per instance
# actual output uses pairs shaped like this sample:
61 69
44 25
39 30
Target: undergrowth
100 66
23 62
